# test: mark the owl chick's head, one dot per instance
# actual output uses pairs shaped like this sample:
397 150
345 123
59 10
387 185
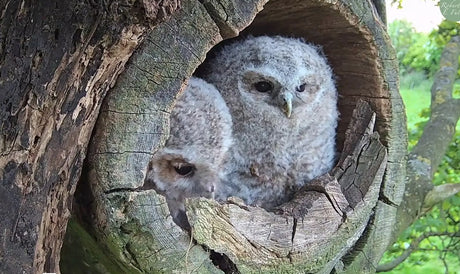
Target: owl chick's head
289 75
174 175
178 176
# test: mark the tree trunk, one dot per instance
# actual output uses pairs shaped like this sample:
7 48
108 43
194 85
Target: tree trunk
53 83
58 59
133 124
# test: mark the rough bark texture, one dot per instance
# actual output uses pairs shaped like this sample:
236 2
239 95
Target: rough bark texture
135 224
58 59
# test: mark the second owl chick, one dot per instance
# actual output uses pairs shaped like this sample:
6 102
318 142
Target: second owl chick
283 102
191 162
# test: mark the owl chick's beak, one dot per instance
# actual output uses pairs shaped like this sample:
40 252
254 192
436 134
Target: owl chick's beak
287 104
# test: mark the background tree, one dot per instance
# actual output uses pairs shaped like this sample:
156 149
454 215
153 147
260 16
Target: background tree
431 243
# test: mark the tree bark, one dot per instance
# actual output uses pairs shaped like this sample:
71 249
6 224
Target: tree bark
58 59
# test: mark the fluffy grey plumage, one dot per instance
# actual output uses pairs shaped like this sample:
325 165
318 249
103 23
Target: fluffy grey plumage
283 102
190 163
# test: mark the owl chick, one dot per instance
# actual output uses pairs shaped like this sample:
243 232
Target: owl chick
283 102
190 163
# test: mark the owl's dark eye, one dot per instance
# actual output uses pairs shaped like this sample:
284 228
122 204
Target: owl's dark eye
301 88
185 169
263 86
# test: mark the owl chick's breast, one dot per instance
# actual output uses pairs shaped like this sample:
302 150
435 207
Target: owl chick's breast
283 101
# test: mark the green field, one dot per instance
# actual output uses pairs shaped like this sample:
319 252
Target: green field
416 100
416 96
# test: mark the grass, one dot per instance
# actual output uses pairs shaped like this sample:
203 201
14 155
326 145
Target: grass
416 94
415 90
416 100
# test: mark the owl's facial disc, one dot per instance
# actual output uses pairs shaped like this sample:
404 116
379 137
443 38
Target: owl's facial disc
287 103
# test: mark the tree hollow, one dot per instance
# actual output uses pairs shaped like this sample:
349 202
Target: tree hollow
134 224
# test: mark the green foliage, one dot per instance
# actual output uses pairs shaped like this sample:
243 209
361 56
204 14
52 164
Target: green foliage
423 55
440 37
408 43
434 254
420 52
429 258
448 171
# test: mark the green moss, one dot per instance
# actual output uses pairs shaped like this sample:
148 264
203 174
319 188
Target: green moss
80 254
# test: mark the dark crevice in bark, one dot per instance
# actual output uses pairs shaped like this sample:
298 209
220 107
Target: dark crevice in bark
294 229
387 201
221 23
381 10
224 263
123 189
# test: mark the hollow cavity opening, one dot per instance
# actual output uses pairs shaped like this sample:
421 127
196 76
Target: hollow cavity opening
348 46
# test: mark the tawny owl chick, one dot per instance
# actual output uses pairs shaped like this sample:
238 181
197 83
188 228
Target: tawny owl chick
190 163
283 102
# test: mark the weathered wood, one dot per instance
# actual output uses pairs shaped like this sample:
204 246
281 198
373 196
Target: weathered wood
309 233
363 120
132 125
357 137
302 202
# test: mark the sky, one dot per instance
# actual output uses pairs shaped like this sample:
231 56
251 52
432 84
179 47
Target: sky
423 14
